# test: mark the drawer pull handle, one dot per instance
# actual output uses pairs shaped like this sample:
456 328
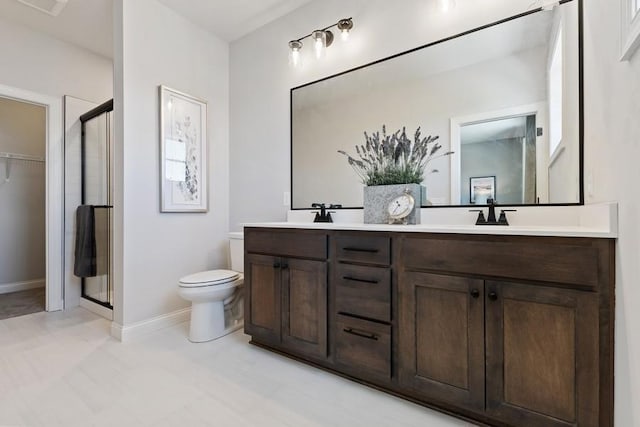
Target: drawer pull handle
355 279
369 251
361 334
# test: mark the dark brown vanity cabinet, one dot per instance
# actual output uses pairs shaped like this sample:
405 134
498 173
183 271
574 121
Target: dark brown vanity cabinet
286 285
523 339
361 298
541 355
441 338
503 330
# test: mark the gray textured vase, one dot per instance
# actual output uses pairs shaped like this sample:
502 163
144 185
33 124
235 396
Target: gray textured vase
378 197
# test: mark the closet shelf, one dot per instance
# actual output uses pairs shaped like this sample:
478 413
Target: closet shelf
27 158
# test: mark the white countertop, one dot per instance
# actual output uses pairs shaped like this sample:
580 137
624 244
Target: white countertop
560 231
596 221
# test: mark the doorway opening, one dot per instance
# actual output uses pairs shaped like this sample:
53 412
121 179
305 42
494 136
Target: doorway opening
500 155
31 200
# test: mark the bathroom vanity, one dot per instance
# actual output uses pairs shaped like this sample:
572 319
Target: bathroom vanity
498 328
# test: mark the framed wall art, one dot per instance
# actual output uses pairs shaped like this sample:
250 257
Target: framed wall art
183 152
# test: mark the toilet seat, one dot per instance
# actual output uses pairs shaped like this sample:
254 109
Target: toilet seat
209 278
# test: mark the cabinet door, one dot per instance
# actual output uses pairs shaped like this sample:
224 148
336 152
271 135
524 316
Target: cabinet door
262 303
304 314
542 355
441 338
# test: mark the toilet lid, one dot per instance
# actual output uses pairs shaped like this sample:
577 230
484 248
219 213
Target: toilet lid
209 278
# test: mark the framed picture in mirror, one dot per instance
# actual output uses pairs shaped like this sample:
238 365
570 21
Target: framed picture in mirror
481 189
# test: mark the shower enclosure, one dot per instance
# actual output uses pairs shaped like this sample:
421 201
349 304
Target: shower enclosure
97 173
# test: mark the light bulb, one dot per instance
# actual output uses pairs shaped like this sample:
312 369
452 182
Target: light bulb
294 52
345 26
319 42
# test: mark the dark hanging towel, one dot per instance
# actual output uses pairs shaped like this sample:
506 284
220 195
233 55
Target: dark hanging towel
85 260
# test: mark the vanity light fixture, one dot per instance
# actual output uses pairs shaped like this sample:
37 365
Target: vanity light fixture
322 39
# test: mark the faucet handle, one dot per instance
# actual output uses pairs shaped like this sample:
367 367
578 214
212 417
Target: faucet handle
481 219
503 216
335 206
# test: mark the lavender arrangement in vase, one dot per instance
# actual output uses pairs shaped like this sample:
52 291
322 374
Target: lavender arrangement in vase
396 162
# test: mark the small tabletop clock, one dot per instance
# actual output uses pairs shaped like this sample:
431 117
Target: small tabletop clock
401 207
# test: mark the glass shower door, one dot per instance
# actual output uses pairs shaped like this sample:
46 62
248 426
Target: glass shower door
97 192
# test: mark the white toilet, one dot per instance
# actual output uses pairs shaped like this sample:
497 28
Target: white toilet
216 296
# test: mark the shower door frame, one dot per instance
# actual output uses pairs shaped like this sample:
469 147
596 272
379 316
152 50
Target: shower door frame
100 109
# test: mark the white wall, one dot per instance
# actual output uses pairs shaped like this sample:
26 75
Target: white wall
153 250
612 150
22 196
261 79
36 62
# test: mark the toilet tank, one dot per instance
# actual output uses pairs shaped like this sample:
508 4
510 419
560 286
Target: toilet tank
236 251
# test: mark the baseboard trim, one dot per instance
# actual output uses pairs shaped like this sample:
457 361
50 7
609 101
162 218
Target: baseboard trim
138 329
6 288
98 309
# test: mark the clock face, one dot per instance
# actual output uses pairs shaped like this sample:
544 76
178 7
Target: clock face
401 206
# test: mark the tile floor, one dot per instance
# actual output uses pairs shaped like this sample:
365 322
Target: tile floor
63 369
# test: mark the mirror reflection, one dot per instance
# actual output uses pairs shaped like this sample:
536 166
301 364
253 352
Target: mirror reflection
505 99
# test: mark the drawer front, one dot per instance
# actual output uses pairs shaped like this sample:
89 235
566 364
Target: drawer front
363 291
363 347
363 248
290 243
557 261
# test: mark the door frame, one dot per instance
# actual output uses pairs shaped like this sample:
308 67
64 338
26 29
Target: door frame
54 190
542 158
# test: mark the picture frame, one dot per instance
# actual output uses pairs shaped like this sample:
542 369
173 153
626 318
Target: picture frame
183 152
482 188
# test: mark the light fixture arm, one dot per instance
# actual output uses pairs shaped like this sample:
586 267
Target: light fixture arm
346 23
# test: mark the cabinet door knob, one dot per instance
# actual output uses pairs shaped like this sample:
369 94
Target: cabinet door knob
493 296
475 293
284 266
276 265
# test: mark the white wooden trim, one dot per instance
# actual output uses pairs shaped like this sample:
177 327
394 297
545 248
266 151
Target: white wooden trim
126 333
96 308
630 30
458 122
54 191
6 288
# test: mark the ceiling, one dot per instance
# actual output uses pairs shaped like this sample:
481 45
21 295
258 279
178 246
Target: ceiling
88 23
232 19
85 23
